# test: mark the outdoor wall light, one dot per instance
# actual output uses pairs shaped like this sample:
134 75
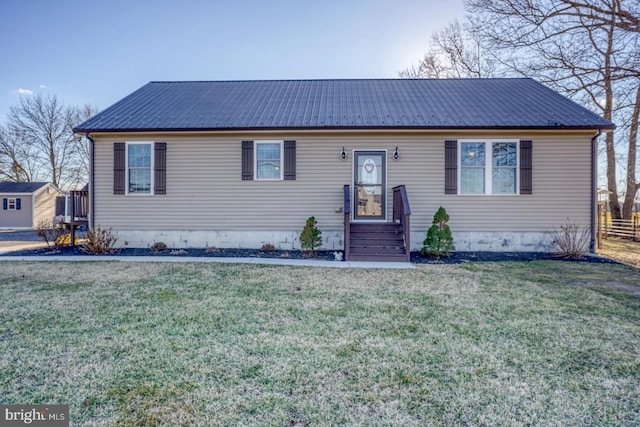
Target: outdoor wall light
343 154
396 154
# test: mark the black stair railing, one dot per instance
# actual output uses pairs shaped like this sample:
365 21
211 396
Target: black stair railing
347 222
402 214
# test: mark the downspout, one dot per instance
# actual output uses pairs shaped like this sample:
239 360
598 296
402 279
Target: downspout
594 191
91 183
33 210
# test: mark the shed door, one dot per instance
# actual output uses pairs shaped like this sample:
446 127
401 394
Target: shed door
370 184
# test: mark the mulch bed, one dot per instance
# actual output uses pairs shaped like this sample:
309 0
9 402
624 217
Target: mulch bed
416 258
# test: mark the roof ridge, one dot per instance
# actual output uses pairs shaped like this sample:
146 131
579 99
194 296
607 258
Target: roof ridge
374 79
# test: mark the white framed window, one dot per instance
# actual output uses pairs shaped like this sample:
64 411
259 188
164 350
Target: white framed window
488 166
11 203
268 160
139 161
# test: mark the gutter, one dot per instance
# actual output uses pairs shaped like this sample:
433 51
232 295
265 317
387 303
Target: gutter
322 127
91 183
594 192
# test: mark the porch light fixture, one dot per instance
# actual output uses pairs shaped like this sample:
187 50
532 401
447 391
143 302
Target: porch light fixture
343 154
396 154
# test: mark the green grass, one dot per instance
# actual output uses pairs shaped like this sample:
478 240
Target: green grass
134 344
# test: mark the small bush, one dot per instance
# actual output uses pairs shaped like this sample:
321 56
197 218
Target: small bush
158 247
100 241
51 232
310 236
439 240
212 250
268 248
571 240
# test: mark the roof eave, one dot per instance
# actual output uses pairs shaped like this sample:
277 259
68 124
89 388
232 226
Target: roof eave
603 127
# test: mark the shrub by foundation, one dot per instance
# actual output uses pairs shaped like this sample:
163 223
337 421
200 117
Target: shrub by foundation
100 241
52 233
310 237
439 240
267 248
571 240
158 247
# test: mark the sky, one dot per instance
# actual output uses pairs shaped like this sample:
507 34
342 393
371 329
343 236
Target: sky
97 52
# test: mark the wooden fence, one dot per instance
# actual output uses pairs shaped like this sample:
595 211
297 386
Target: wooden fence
620 228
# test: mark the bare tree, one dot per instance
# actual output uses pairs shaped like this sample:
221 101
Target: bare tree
586 49
11 168
627 13
43 127
455 53
78 115
16 162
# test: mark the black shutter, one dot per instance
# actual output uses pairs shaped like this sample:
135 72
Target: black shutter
119 170
247 160
160 168
5 204
18 204
526 167
451 167
289 160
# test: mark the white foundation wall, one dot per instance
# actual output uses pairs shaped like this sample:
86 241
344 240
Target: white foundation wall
332 240
495 241
281 240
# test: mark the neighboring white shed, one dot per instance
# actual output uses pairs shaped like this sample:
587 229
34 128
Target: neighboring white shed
25 204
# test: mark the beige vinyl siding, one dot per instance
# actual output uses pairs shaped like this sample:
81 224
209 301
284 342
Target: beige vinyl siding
22 218
45 205
561 192
205 190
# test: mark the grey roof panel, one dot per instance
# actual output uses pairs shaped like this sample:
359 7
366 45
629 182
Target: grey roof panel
21 187
319 104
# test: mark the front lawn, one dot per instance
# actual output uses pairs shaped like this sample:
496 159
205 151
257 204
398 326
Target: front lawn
137 344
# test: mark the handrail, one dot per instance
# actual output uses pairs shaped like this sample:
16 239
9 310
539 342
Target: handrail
347 222
347 200
402 214
404 200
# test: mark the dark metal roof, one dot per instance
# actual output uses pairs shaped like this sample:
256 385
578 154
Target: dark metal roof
21 187
344 104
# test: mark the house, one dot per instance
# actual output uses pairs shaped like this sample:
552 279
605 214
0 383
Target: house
243 163
25 204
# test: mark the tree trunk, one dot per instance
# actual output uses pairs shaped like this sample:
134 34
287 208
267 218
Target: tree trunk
632 185
614 203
